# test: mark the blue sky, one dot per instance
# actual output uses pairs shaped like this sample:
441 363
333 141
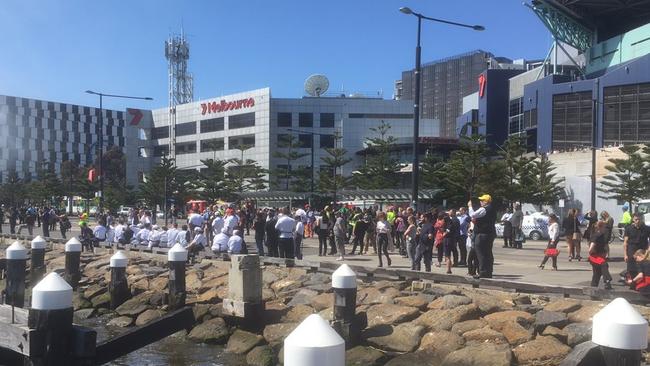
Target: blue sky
55 50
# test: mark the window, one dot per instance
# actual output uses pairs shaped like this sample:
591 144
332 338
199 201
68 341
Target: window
305 140
284 140
186 148
380 115
212 145
142 152
236 141
327 120
141 177
160 132
211 125
161 150
241 120
185 129
571 120
284 119
626 113
327 141
305 119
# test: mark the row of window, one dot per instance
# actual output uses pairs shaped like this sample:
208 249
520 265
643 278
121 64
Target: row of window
626 114
285 119
208 125
216 144
572 120
305 141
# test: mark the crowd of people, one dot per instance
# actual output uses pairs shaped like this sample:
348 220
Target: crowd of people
30 217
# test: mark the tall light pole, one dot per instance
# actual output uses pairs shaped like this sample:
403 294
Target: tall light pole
100 138
416 102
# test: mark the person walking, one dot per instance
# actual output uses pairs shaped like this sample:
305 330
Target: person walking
45 218
464 222
358 233
382 230
507 229
258 227
485 232
64 225
551 248
284 227
410 235
598 257
340 235
13 219
571 227
424 248
516 223
298 234
635 238
370 238
440 228
454 232
271 235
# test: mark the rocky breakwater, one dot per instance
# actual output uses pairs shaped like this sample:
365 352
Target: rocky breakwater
407 324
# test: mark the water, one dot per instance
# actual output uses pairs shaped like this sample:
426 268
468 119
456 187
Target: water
174 350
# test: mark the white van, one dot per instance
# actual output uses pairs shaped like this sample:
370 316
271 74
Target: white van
534 226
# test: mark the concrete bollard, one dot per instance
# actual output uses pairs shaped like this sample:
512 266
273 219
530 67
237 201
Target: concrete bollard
16 268
314 343
119 286
51 318
621 332
344 321
72 260
245 290
37 266
177 257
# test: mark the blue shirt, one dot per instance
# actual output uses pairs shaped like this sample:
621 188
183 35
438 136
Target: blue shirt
464 224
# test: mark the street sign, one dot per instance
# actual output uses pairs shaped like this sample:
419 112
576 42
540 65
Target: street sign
561 203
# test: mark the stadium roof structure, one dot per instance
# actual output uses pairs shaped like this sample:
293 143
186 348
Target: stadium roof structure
582 23
345 195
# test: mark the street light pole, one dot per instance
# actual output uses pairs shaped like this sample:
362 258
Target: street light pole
100 138
416 101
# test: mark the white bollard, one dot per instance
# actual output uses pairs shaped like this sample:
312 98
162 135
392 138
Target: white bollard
344 283
621 332
52 293
72 261
118 288
314 343
176 258
16 267
37 267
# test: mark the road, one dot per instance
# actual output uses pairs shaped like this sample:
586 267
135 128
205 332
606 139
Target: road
510 264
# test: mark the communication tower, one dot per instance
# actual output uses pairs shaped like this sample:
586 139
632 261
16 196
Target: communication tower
181 89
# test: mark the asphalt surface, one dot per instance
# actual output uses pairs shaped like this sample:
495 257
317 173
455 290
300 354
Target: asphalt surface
510 264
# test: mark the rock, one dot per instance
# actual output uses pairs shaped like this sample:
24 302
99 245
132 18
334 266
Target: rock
267 294
327 314
318 279
577 333
297 314
449 302
302 297
269 277
275 311
275 333
404 337
132 307
84 314
441 343
522 300
466 326
147 316
241 342
192 281
417 301
515 334
545 318
521 317
93 291
211 283
214 331
390 314
323 301
420 358
140 285
488 302
101 301
285 285
563 305
261 356
439 290
79 302
480 355
530 309
560 334
444 319
541 351
158 284
210 297
585 314
371 295
121 321
200 310
364 356
484 335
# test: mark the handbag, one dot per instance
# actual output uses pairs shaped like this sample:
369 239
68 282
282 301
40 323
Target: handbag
551 252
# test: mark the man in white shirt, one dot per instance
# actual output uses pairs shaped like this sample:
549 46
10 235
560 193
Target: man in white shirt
163 237
100 232
235 243
142 237
231 221
217 224
118 231
198 243
285 226
154 237
220 242
195 220
172 235
181 237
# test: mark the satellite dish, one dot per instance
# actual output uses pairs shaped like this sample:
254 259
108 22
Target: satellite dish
316 85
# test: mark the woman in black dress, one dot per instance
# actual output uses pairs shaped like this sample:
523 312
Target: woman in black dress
598 256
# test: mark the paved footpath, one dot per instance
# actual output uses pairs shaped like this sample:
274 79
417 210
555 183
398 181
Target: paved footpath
510 264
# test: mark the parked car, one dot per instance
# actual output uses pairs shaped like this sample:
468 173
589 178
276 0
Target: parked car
534 226
124 210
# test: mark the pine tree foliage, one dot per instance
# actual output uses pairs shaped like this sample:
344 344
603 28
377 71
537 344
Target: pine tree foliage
627 177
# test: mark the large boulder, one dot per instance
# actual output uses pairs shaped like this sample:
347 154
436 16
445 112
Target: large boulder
420 358
416 301
132 307
466 326
559 334
302 297
84 314
480 355
276 333
404 337
213 331
390 314
563 305
121 321
364 356
545 318
577 333
541 351
441 343
322 301
585 314
449 302
101 301
484 335
523 318
241 341
297 314
434 320
261 356
371 295
515 334
94 290
147 316
490 302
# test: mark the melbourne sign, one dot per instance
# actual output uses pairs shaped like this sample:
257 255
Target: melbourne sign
223 106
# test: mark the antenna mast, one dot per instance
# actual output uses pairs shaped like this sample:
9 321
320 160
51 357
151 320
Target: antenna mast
181 86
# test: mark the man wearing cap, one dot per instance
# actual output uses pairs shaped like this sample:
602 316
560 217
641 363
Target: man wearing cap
485 217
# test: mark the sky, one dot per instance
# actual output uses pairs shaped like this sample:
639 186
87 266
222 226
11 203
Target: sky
55 50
